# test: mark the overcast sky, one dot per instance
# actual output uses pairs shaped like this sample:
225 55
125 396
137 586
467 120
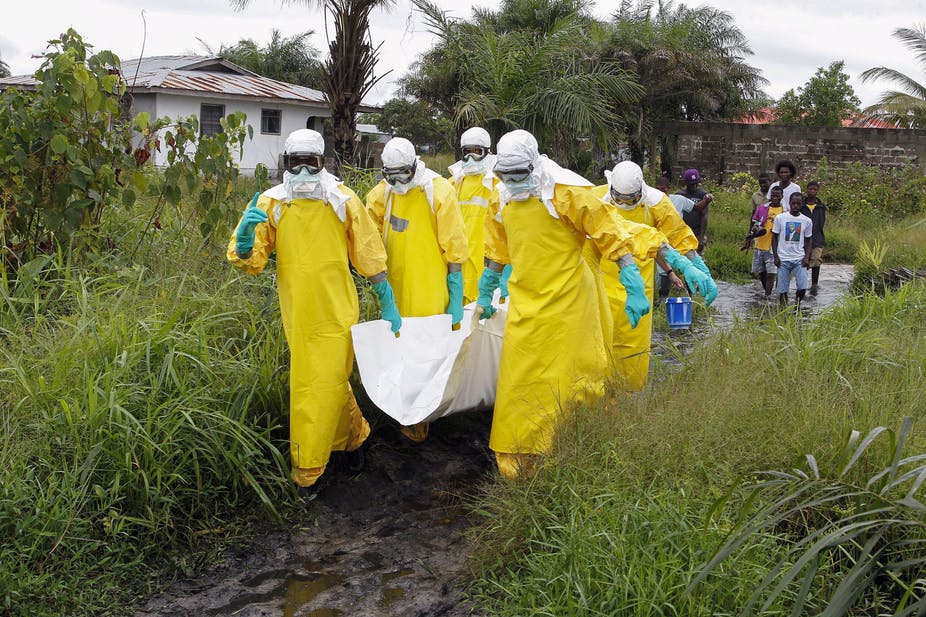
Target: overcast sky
790 38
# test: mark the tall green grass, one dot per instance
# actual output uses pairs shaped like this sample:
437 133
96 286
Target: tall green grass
141 409
621 517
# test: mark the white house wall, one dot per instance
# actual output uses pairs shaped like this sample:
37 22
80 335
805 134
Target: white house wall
264 149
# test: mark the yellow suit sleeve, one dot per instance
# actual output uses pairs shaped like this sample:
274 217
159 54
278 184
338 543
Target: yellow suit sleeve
675 229
364 243
646 240
265 235
451 231
592 217
376 205
496 239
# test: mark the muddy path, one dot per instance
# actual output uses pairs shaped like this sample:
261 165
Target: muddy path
387 541
391 540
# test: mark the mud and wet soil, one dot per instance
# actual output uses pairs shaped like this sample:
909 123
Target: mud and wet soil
391 540
748 302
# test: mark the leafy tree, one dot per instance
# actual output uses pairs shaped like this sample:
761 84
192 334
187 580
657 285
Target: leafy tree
825 100
349 69
290 59
68 155
416 121
544 82
905 107
691 63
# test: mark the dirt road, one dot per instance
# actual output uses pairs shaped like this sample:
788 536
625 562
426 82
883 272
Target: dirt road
388 541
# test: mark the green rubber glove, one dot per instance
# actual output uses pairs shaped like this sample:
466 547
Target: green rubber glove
637 304
488 283
698 261
503 285
697 281
711 291
244 237
387 301
455 288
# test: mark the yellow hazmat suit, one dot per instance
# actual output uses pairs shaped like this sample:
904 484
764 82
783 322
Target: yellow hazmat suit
318 305
421 240
473 194
553 351
630 347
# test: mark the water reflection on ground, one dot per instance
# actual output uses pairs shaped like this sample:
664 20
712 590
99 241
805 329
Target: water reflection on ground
747 302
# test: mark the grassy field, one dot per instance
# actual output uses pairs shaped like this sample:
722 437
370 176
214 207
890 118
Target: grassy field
624 513
143 395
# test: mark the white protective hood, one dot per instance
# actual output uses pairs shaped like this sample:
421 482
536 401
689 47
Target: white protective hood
627 178
519 148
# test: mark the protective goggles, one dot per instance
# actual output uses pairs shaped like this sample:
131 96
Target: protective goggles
296 161
627 199
514 175
474 153
399 175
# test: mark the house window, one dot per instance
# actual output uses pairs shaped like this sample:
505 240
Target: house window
270 121
209 116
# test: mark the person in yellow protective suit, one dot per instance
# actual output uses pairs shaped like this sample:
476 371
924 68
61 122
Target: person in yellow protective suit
554 352
632 199
475 184
417 213
315 224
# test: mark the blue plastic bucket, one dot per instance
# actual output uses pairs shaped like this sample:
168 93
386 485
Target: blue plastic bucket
678 312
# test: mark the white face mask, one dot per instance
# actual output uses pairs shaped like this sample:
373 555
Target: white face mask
304 185
521 191
402 187
471 168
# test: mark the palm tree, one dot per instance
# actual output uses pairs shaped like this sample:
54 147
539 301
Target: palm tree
349 69
544 82
290 59
690 61
905 107
4 69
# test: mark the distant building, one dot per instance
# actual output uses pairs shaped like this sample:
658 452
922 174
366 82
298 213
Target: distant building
768 115
212 87
371 142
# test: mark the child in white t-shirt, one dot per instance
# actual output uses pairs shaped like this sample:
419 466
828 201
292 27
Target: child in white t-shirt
791 234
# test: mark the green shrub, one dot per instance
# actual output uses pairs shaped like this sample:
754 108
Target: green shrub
860 189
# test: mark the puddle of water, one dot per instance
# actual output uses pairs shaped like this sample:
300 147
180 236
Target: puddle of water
300 591
747 302
391 595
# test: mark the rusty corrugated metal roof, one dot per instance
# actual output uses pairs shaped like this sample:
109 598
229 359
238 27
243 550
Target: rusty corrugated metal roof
214 75
196 75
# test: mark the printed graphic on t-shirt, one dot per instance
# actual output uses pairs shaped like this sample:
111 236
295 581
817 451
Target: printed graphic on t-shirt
793 231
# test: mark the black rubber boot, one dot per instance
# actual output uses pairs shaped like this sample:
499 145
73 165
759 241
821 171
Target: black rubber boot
354 461
783 299
799 297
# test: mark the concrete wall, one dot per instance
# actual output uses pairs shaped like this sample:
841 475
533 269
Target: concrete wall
264 149
721 149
